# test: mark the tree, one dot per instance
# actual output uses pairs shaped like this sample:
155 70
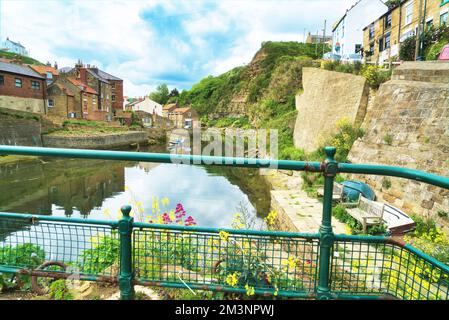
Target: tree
161 94
174 93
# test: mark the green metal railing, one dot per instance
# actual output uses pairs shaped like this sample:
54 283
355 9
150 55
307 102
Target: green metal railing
284 264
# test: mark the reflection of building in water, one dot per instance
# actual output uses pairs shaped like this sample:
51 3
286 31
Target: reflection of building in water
147 166
75 185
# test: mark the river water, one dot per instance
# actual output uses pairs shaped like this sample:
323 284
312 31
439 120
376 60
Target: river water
97 189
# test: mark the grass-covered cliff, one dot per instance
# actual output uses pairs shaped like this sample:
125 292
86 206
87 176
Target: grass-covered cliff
14 56
260 94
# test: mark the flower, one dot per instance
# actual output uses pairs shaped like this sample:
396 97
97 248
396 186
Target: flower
165 201
249 290
290 263
271 218
224 235
189 221
231 279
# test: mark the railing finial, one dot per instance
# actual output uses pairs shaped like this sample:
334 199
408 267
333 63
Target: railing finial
330 153
126 210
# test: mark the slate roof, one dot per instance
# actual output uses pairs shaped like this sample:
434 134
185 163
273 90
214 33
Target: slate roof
19 69
104 75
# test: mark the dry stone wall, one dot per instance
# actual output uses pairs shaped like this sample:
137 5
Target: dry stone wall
328 97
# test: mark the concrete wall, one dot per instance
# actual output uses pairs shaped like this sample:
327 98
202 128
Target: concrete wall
408 126
328 97
96 142
23 104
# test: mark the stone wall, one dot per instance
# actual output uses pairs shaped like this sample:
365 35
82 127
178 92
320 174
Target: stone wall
107 141
328 97
19 128
408 125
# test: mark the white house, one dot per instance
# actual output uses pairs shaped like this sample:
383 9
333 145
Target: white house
347 32
149 106
14 47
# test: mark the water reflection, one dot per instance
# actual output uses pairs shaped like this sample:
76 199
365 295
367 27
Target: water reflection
97 189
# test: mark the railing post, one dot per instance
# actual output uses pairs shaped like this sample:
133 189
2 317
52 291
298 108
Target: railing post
126 276
326 233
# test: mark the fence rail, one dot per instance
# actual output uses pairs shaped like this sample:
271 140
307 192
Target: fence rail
284 264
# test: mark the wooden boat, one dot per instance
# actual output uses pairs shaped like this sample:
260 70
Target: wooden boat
398 221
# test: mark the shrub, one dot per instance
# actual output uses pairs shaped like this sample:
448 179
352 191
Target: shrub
60 291
375 76
435 50
292 153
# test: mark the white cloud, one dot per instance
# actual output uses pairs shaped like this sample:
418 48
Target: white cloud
115 36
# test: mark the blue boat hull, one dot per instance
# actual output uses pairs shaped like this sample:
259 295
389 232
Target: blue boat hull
353 189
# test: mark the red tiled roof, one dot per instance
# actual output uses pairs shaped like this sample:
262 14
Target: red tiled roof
182 110
84 87
44 69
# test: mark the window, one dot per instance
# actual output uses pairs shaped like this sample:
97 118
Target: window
358 47
113 97
35 85
2 80
18 83
371 31
388 41
371 48
443 18
51 103
409 13
381 44
429 23
388 20
49 75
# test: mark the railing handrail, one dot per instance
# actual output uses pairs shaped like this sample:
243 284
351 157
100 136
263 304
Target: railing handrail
392 171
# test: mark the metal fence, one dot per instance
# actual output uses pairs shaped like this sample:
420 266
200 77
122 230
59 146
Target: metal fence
276 264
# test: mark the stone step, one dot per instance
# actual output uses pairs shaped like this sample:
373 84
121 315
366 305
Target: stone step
428 71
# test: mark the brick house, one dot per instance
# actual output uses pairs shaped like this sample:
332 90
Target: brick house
48 72
383 37
21 88
168 108
108 87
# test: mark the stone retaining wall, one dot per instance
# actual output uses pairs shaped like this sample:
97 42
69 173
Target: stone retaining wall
408 126
328 97
96 142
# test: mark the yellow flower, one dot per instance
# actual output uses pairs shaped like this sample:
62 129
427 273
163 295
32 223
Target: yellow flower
249 290
165 201
107 212
276 292
155 205
271 218
232 279
290 263
224 236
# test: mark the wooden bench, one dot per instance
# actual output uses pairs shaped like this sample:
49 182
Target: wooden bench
337 194
367 212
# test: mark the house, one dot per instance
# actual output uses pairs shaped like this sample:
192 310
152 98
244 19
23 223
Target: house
168 108
14 47
61 100
383 37
184 118
109 87
22 88
347 32
87 99
147 105
47 71
318 38
73 99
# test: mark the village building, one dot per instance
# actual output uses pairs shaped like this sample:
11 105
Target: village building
22 88
186 118
318 38
347 32
108 87
47 71
61 101
13 47
147 105
168 108
384 35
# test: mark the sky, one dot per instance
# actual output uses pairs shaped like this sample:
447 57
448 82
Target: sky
149 42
